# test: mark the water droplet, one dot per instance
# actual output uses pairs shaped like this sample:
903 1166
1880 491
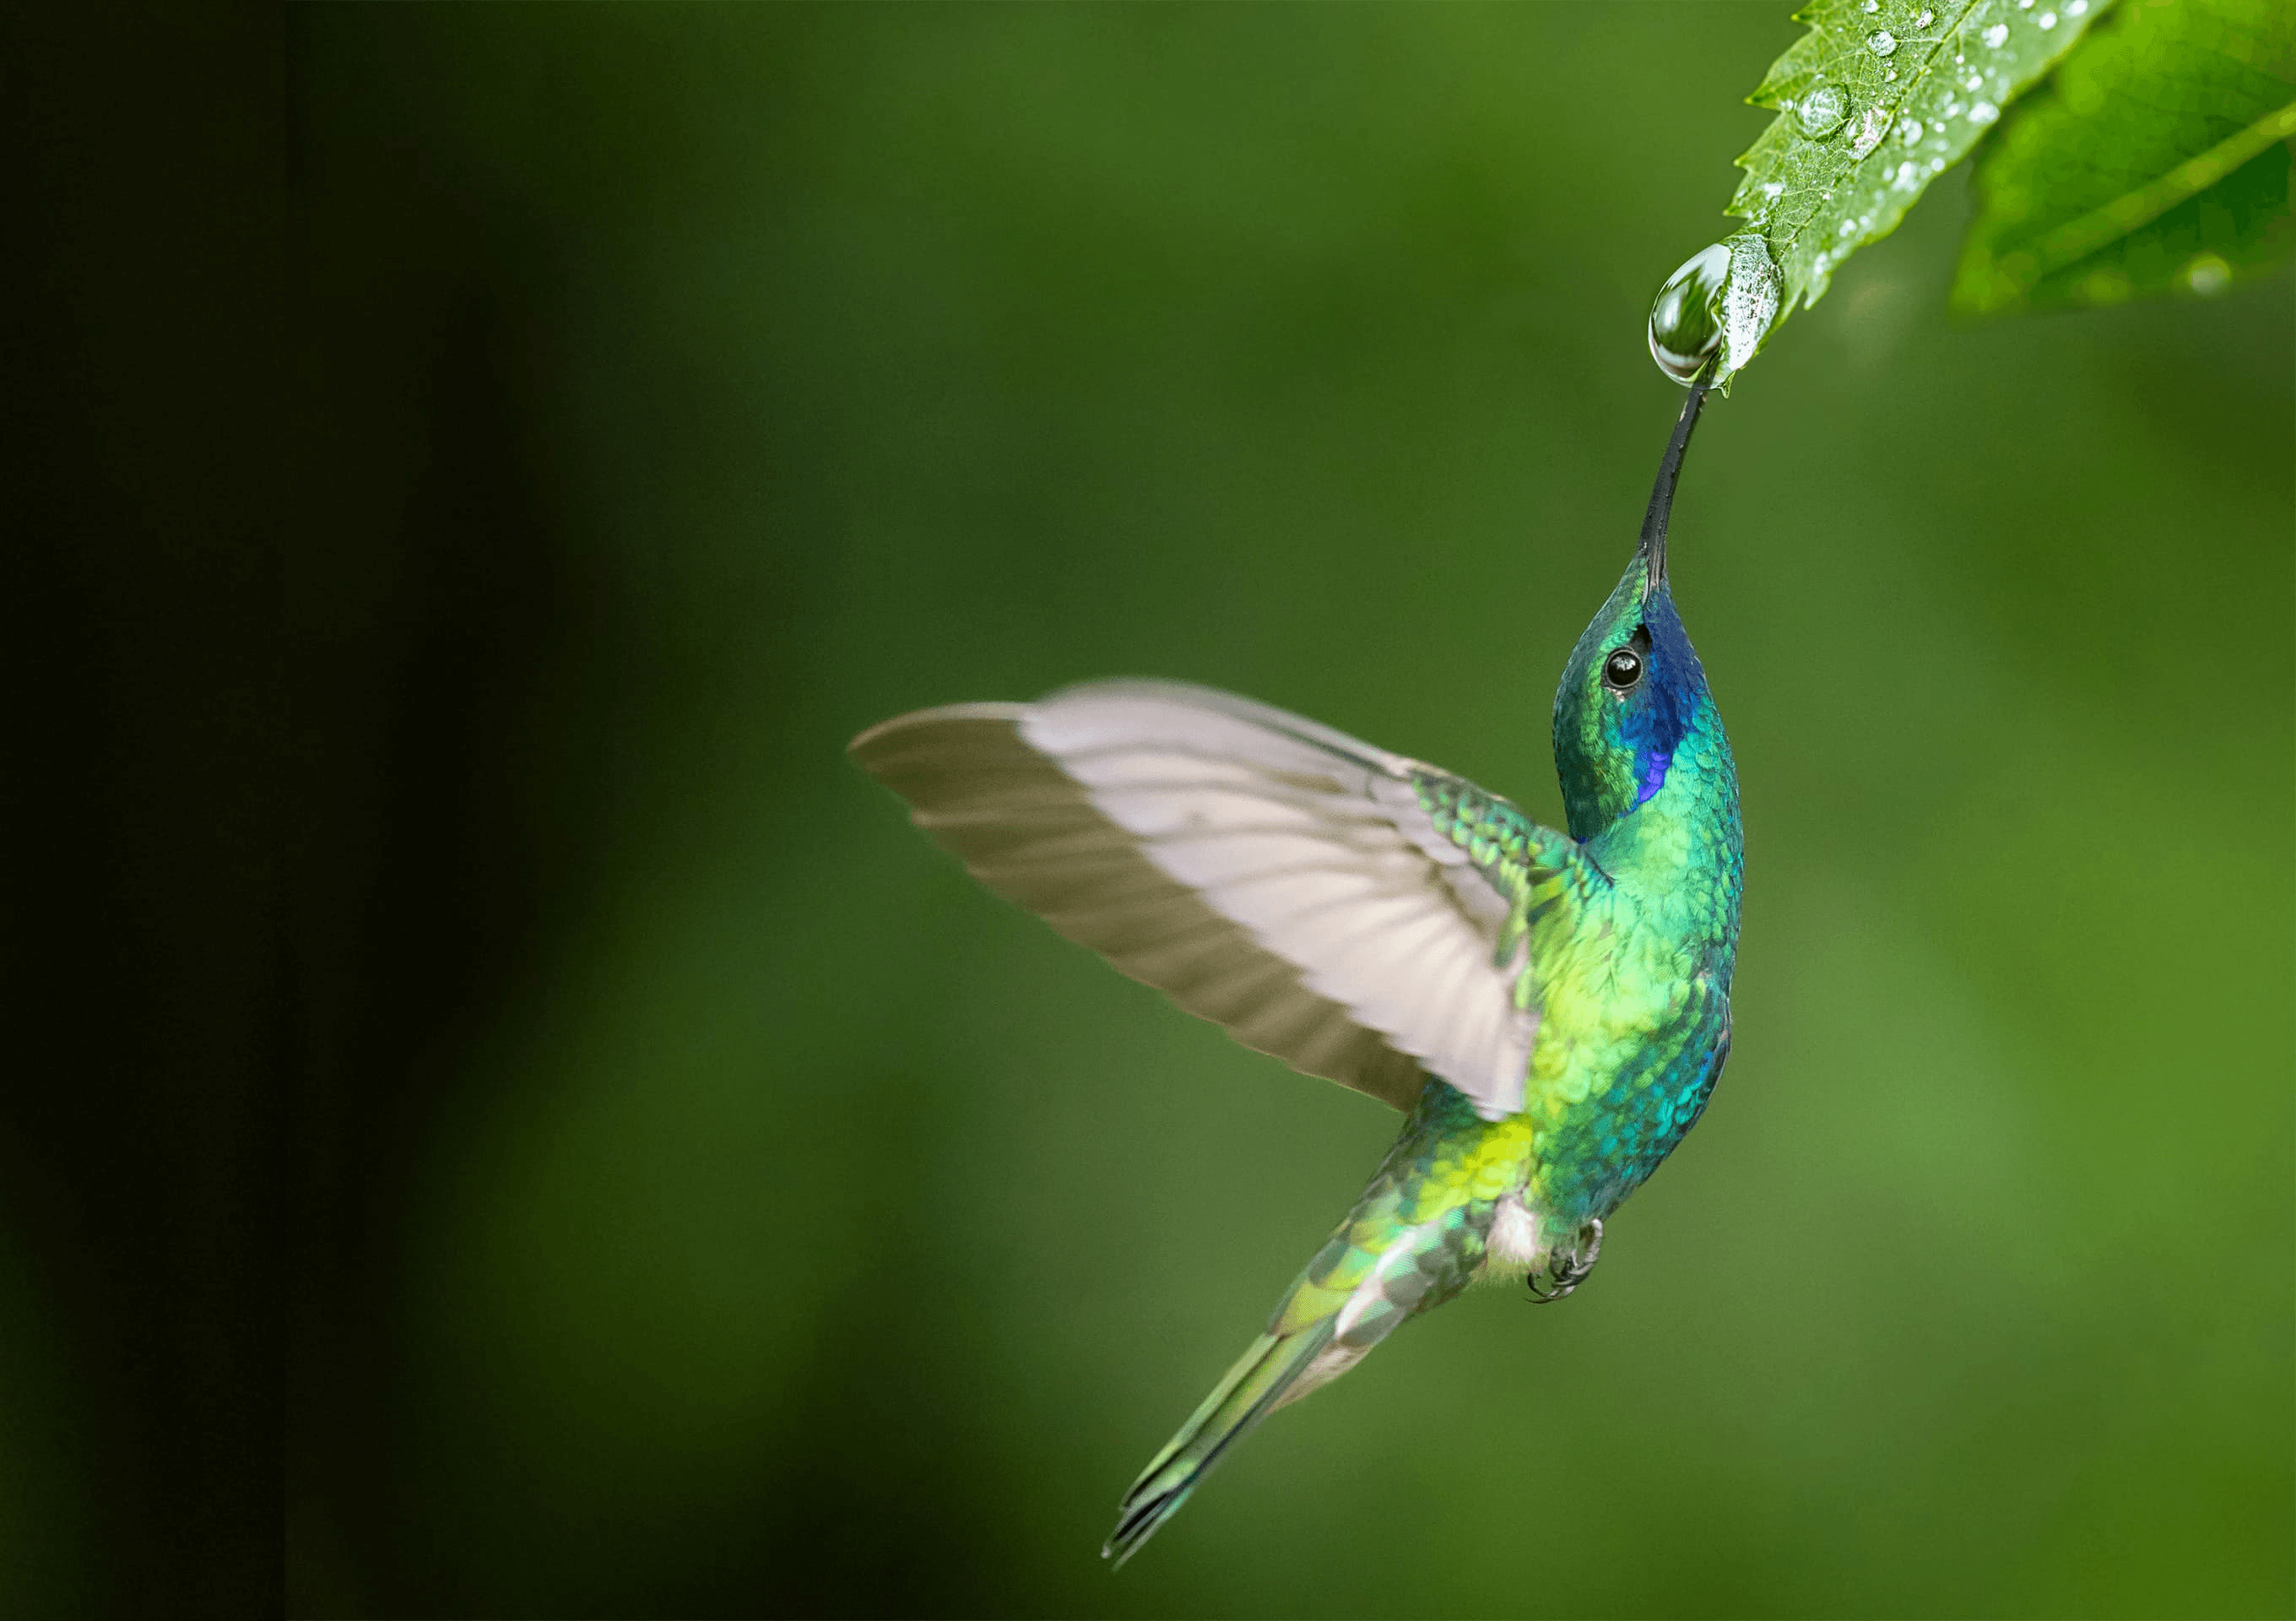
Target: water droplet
1910 131
1723 299
1889 73
2208 275
1984 112
1821 111
1881 42
2074 8
1908 174
1685 324
2024 5
1871 124
1926 18
2047 19
1870 7
1975 81
1996 36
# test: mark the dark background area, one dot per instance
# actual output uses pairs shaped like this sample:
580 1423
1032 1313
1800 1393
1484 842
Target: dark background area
142 1014
706 1203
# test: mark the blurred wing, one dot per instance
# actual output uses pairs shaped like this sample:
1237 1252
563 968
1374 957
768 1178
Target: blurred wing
1268 873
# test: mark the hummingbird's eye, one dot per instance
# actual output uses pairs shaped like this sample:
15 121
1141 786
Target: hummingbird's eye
1622 669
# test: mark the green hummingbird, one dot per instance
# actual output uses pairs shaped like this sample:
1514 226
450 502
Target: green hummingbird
1550 1010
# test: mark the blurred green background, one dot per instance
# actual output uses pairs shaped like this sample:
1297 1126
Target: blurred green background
714 1204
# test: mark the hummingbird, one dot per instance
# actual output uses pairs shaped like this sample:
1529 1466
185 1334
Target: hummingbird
1549 1009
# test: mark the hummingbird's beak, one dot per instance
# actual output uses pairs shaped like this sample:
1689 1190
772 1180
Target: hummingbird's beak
1653 550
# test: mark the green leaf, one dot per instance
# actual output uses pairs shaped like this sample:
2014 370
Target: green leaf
2157 160
1915 85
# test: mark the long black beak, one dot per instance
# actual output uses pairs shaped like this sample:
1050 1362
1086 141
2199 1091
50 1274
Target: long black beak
1653 550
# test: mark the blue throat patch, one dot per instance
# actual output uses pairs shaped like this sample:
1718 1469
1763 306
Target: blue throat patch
1669 701
1654 763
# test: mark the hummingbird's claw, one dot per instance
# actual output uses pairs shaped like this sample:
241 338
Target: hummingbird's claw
1567 1268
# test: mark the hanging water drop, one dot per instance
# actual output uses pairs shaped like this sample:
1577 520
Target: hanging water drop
1717 308
1686 325
1881 42
1821 111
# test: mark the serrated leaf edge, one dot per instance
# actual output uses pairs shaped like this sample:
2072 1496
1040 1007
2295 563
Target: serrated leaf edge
1766 95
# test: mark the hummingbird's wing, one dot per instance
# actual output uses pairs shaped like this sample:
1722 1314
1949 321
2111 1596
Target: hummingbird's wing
1339 907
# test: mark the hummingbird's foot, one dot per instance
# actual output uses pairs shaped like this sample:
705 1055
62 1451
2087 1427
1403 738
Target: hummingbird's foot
1567 1268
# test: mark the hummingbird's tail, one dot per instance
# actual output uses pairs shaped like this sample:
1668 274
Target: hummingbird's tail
1253 1388
1415 1239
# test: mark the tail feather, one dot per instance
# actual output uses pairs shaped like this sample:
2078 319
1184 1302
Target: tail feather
1252 1389
1415 1239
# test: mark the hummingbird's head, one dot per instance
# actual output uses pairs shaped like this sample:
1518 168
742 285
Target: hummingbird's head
1633 688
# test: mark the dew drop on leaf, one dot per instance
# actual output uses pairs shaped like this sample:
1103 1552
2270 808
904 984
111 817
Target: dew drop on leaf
1996 36
1871 124
1925 18
2047 19
1821 111
1984 112
1685 324
1723 298
1881 42
1910 131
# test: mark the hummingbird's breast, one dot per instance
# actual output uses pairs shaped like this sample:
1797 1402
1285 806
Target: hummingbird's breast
1619 1101
1635 1003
